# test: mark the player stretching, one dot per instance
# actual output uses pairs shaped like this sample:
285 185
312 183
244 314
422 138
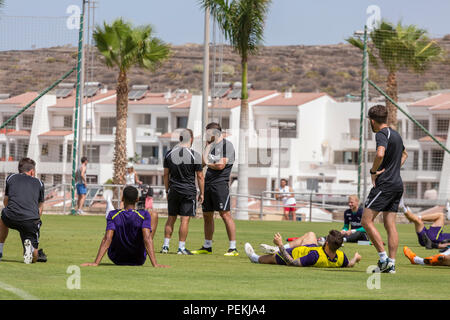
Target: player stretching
127 238
181 166
433 237
387 187
219 158
24 202
307 252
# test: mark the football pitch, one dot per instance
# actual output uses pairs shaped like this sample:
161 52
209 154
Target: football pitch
72 240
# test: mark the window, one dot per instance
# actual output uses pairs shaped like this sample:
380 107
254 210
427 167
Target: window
107 125
91 179
3 152
442 126
69 153
437 158
162 125
182 122
425 160
57 179
145 119
27 121
12 124
92 153
354 128
410 189
400 126
261 157
150 154
44 149
12 151
225 123
288 132
44 178
68 121
60 153
415 160
417 132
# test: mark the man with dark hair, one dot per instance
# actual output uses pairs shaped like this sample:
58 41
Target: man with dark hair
219 158
24 203
387 187
128 238
182 166
80 179
305 252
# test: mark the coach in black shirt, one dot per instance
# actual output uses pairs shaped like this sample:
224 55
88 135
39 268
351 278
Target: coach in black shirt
24 202
182 166
219 157
387 187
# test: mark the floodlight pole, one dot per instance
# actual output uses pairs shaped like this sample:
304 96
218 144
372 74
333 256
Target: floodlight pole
205 92
78 102
82 77
366 106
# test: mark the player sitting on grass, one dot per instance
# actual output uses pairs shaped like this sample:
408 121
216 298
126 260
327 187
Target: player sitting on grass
128 234
24 203
441 259
307 253
433 237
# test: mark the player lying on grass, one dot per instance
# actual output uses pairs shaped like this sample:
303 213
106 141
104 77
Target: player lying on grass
307 253
433 237
128 234
441 259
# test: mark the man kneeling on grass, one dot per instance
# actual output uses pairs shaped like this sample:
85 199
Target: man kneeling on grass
307 253
128 234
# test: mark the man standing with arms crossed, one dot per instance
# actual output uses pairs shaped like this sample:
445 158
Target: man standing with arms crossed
182 166
219 158
387 187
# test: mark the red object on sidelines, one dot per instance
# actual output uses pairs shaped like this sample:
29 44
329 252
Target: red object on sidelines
291 239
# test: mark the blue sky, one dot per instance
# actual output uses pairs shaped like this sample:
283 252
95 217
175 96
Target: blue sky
290 22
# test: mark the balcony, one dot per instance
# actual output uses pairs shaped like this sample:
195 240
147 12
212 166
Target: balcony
148 163
146 134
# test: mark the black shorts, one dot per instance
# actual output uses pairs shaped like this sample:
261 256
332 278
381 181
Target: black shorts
28 229
383 200
181 205
217 198
357 236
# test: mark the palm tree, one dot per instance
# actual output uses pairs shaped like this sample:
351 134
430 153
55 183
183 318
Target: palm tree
124 46
242 22
397 47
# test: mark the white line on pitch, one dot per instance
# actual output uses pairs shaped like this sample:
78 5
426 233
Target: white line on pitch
20 293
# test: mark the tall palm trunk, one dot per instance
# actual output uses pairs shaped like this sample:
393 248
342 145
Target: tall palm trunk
392 90
242 202
120 149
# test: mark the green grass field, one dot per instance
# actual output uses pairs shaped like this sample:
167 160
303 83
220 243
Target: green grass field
72 240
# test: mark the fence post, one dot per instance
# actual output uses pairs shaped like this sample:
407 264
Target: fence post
261 207
310 206
64 198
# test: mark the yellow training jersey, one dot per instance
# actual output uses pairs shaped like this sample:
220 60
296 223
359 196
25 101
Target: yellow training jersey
318 255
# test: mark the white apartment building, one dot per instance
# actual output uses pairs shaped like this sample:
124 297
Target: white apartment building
322 141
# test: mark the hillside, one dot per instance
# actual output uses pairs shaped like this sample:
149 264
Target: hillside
335 69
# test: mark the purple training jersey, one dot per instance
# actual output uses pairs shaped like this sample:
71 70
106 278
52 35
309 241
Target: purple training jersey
435 234
127 246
